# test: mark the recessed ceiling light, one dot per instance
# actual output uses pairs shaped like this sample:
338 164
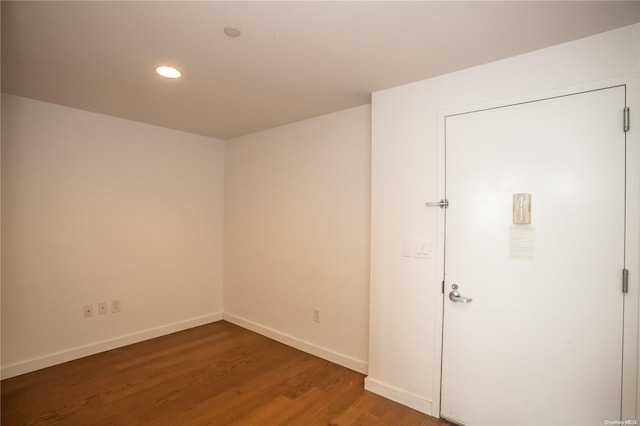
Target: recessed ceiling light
232 31
169 72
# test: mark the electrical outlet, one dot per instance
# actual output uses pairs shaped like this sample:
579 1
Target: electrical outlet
316 315
88 311
115 306
102 308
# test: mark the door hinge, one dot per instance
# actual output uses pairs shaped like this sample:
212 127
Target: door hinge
442 286
625 119
625 281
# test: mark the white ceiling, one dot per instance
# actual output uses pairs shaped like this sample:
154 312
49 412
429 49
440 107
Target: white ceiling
294 60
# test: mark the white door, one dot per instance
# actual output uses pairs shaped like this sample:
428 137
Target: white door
540 343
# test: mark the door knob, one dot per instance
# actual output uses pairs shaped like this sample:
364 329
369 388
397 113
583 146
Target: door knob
454 296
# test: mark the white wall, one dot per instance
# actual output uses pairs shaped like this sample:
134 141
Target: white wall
96 208
406 303
297 206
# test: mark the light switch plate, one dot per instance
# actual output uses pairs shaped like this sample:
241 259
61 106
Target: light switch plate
422 249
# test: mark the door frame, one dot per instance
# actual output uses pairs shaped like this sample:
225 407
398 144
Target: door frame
631 371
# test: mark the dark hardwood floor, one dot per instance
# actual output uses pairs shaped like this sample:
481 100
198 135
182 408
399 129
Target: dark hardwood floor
216 374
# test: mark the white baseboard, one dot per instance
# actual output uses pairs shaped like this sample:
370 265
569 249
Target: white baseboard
105 345
403 397
34 364
324 353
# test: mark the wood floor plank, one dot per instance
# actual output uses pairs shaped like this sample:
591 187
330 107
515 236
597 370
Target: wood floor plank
216 374
266 413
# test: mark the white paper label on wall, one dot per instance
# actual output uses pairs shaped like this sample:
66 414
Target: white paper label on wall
522 242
